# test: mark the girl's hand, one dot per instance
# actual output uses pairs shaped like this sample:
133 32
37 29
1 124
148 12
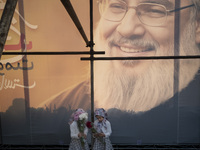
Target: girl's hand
96 135
101 134
82 135
79 135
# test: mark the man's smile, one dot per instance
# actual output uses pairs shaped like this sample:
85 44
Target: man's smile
127 49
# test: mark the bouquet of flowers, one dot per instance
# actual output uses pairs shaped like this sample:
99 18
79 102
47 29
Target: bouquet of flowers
81 126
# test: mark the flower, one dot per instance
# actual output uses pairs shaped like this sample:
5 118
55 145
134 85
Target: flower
83 116
90 125
81 126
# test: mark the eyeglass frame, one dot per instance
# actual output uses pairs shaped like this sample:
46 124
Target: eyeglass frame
135 7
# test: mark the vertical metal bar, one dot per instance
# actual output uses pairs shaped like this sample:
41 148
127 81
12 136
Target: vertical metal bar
92 64
25 72
176 61
5 22
1 135
92 59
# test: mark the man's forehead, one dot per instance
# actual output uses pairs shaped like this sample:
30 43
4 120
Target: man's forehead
163 1
170 4
167 3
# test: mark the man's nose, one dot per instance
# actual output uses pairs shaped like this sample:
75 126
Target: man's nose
131 25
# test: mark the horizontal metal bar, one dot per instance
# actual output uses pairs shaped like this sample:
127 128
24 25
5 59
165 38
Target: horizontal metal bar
53 53
142 58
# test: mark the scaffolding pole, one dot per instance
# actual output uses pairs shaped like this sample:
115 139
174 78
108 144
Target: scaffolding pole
5 22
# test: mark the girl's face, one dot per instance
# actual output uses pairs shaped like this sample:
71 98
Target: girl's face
99 118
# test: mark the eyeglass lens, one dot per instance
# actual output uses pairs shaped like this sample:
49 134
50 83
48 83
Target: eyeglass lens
149 14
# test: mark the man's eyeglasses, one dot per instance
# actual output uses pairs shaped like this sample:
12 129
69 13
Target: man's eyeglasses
148 13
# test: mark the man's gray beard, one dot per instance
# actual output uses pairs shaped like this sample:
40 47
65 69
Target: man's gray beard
114 89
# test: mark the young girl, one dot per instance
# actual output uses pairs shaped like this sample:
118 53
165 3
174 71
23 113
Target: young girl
78 139
103 127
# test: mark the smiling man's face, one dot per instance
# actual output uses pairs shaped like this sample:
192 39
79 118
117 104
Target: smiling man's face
141 85
130 37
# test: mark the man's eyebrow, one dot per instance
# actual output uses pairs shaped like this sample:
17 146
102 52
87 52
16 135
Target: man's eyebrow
167 3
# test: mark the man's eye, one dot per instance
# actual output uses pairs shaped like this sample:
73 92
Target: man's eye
117 8
155 12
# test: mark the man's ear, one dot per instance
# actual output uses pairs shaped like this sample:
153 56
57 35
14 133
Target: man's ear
198 28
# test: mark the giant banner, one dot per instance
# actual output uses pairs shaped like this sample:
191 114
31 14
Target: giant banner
148 101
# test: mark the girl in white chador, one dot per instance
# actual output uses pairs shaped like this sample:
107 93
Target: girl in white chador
78 130
103 127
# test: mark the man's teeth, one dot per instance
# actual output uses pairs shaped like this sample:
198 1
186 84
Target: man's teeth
131 50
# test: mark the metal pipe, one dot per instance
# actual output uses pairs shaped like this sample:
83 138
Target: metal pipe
68 6
5 22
